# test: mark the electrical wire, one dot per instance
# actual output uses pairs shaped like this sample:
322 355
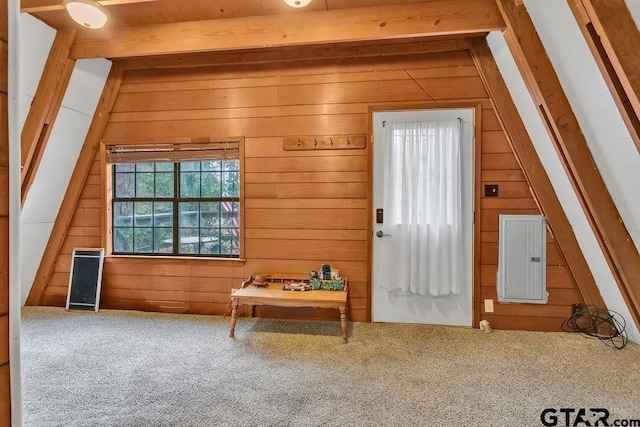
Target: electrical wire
593 322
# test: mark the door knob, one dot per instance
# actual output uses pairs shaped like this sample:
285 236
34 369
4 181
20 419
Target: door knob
379 233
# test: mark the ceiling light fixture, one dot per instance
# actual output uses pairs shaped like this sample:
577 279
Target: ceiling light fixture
87 13
297 3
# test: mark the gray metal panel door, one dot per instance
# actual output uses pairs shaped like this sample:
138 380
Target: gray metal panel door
522 259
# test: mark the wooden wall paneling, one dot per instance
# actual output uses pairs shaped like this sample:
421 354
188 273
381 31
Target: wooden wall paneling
307 203
442 62
4 59
288 54
76 184
574 153
177 128
613 38
302 208
45 105
319 219
381 22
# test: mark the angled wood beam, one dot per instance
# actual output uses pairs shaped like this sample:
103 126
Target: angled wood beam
563 128
614 41
45 105
34 6
534 171
76 184
433 18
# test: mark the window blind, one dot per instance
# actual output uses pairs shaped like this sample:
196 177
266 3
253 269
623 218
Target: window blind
155 153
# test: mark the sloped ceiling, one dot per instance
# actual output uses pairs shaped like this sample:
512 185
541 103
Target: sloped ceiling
613 149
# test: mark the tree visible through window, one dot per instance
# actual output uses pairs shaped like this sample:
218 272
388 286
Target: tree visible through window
180 208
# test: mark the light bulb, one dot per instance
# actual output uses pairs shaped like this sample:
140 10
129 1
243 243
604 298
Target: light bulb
87 13
297 3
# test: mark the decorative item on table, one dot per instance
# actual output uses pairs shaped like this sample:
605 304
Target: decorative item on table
260 281
333 285
296 286
315 283
325 272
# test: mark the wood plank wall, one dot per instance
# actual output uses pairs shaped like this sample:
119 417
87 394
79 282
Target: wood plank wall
302 208
5 390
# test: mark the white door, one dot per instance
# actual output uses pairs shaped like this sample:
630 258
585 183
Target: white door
400 305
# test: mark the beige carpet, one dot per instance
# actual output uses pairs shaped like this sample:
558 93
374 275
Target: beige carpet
121 368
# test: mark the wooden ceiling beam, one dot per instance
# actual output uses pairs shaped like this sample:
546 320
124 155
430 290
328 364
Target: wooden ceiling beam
35 6
76 184
433 18
573 151
534 172
45 105
614 41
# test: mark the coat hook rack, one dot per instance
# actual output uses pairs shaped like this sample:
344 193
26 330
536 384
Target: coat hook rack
324 142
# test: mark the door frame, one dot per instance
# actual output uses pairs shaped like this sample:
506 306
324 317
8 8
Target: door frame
477 184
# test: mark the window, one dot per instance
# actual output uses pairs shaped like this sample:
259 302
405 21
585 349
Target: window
188 207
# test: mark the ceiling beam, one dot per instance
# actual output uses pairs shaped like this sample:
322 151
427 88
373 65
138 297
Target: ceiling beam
614 41
35 6
573 151
433 18
45 106
534 172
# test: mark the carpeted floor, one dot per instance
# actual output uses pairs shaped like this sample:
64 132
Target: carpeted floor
121 368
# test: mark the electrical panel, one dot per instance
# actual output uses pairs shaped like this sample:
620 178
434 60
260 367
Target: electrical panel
522 257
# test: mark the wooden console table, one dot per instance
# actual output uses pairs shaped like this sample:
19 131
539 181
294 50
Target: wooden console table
273 295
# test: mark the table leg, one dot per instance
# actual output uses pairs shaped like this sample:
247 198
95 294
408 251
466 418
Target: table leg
234 316
343 323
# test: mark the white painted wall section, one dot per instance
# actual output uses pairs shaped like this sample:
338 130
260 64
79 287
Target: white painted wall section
613 149
59 158
35 42
568 199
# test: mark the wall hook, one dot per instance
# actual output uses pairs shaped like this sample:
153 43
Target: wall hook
299 142
348 142
331 140
315 141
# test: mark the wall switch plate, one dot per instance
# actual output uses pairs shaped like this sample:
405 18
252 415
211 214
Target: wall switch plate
491 190
488 306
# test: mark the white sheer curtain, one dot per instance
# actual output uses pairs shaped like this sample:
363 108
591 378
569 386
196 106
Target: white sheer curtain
423 208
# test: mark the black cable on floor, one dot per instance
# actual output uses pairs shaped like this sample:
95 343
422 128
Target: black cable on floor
593 322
